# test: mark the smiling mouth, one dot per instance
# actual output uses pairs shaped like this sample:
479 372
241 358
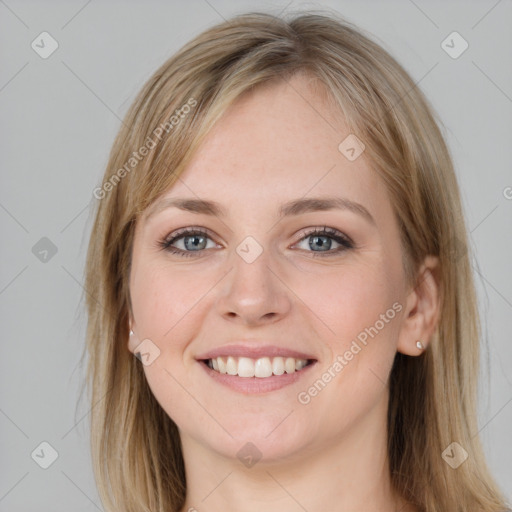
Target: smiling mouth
262 367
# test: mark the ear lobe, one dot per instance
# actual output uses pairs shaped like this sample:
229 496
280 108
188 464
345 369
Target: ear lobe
132 338
422 310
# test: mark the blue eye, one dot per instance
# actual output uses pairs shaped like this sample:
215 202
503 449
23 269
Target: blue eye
322 238
195 241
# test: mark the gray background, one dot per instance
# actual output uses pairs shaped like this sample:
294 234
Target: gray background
59 117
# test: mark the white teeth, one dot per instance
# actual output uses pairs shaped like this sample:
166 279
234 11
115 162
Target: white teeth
222 365
245 367
278 366
289 365
231 366
262 367
299 364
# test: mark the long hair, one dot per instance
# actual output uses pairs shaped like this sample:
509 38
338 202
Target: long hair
136 448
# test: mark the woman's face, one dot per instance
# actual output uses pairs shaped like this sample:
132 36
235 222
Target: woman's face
259 287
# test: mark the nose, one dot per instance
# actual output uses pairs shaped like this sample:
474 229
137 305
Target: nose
253 293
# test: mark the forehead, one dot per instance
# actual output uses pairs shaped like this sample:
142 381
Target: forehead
275 143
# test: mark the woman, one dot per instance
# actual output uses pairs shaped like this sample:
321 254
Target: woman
280 242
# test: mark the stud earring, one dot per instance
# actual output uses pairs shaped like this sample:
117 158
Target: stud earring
131 332
419 344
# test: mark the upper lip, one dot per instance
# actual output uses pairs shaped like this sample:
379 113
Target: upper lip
254 351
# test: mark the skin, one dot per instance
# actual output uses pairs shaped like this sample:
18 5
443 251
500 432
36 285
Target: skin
277 143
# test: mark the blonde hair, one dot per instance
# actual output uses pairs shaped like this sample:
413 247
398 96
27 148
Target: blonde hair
136 449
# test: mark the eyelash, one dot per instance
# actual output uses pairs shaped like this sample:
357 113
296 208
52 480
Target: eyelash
336 235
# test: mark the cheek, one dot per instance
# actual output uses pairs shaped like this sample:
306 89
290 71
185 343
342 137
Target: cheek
360 306
163 307
161 297
350 298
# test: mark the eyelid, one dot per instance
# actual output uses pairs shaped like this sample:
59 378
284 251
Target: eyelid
304 232
188 230
165 243
343 240
332 232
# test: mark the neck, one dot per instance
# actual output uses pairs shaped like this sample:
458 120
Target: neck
345 473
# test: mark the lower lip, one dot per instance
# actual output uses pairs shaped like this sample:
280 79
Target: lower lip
256 385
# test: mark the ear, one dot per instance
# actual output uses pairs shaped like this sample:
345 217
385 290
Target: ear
422 309
133 341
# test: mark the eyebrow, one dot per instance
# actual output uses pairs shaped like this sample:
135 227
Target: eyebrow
294 207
